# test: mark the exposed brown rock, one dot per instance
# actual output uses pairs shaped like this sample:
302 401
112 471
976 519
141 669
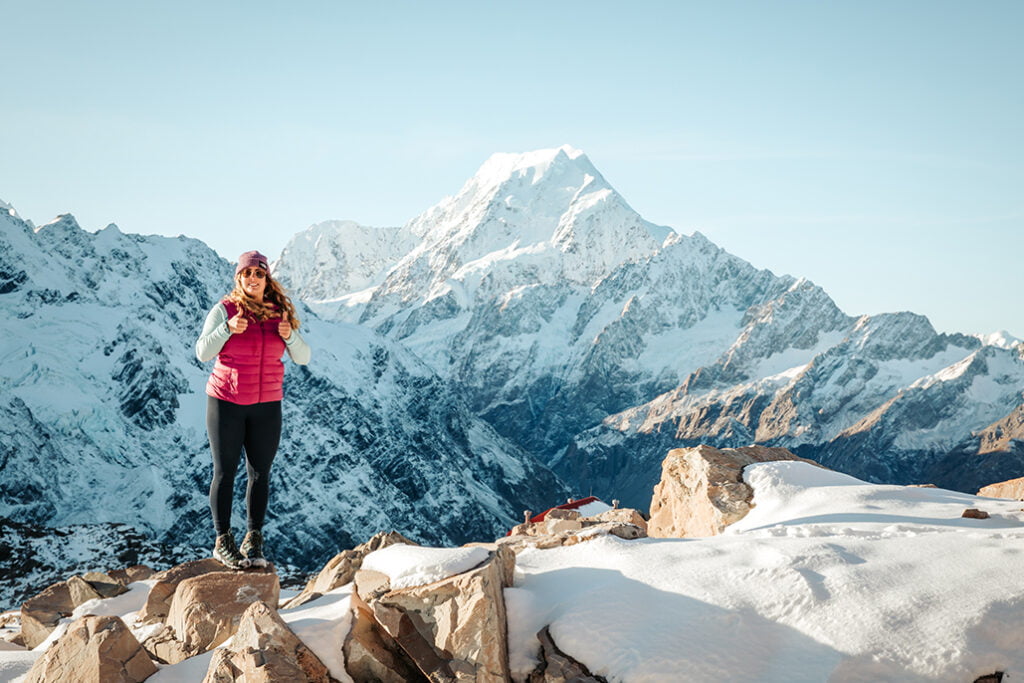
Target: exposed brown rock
165 648
622 515
371 654
94 649
139 572
81 591
206 609
41 613
558 667
974 513
222 668
702 490
535 535
453 629
1010 490
265 649
158 602
559 513
999 436
342 568
106 585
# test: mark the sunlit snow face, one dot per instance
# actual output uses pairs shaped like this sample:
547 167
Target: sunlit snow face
254 282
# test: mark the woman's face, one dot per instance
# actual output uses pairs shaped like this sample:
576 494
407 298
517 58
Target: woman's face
254 282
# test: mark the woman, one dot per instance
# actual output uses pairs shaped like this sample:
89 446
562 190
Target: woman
248 331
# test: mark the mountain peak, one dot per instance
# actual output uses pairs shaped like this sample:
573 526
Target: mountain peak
64 221
503 166
1003 339
8 209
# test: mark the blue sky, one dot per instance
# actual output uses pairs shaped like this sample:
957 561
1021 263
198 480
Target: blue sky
873 147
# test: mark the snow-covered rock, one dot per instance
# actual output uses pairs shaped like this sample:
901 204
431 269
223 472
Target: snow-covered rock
826 577
702 491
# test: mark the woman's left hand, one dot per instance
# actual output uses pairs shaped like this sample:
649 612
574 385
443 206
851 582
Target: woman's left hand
284 328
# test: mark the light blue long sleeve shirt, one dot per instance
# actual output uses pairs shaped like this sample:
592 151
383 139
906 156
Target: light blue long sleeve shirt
216 333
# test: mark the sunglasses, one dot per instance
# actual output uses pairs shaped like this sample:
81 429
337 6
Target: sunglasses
250 272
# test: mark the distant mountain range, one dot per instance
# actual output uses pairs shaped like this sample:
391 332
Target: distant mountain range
597 340
529 337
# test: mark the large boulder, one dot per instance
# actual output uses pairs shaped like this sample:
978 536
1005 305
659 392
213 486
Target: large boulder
207 609
41 614
138 572
342 568
105 585
1012 489
265 649
94 650
702 490
158 601
454 629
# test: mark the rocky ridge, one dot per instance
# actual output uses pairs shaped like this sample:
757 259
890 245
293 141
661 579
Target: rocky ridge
448 629
447 624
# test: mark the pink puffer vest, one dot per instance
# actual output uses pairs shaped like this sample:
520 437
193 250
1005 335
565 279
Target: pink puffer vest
249 368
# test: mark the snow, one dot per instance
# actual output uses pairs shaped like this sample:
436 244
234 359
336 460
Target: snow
593 508
14 664
828 578
1001 339
189 671
408 565
322 625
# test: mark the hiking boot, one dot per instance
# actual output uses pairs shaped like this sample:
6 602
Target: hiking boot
252 549
226 552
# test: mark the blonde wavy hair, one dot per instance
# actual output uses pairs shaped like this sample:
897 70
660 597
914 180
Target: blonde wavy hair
275 302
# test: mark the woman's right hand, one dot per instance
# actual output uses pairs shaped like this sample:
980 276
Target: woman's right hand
238 324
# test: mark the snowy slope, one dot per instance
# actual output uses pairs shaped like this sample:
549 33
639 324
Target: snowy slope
102 410
828 578
338 256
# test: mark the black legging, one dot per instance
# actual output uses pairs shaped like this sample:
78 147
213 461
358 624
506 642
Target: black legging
231 426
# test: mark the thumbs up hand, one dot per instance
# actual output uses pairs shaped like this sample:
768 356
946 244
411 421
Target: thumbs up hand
284 328
238 324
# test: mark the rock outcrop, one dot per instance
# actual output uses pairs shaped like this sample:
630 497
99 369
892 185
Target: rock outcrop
1012 489
342 568
702 490
41 614
158 602
265 649
567 527
94 650
451 630
207 609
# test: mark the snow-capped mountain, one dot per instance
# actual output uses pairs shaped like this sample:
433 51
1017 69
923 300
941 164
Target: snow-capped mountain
887 402
342 252
598 340
102 409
